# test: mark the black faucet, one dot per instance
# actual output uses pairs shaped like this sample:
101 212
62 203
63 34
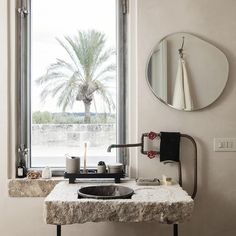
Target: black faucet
124 146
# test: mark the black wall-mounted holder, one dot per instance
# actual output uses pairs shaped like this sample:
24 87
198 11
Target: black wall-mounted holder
92 174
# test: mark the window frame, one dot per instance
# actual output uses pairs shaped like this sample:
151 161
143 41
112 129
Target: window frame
23 67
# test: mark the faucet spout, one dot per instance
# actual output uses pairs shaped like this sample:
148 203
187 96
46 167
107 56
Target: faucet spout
110 147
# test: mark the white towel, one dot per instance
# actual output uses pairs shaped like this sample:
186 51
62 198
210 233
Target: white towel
182 97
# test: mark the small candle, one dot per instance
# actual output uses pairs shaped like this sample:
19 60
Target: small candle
85 157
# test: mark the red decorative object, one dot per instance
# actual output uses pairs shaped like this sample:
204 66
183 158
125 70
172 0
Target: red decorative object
152 135
151 154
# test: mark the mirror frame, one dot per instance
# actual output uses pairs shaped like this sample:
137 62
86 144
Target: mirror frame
169 105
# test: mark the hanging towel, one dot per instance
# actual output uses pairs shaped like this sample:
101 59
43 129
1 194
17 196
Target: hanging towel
169 146
182 97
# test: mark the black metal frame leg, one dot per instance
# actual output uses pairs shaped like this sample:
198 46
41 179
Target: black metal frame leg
58 230
175 230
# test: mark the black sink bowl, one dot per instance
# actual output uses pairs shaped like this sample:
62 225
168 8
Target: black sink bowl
105 192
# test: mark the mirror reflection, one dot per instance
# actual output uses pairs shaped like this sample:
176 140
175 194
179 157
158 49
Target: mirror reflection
186 72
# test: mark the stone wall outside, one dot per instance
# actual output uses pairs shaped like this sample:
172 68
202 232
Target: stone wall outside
74 134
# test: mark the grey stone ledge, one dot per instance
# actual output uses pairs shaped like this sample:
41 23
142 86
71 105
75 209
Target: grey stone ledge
165 204
31 187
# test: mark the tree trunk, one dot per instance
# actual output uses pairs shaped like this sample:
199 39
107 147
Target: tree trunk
87 115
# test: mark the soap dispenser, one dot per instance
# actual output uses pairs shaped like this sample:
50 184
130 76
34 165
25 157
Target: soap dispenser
101 168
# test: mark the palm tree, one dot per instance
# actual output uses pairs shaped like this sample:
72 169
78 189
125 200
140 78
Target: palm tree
83 75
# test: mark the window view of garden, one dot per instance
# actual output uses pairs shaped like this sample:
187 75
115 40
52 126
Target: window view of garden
73 80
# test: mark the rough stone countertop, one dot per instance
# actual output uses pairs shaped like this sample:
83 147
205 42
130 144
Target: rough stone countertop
165 204
31 187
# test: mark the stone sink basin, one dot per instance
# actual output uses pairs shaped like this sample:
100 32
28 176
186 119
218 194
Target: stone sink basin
106 192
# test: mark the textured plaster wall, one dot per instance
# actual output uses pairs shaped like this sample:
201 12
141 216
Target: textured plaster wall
215 21
151 20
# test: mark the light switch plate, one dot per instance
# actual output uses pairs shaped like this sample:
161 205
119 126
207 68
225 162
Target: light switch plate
225 144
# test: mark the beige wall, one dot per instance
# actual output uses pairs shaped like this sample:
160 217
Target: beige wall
151 20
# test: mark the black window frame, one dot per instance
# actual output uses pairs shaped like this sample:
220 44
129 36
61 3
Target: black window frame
23 66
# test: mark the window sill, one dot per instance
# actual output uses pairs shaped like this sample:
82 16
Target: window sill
32 187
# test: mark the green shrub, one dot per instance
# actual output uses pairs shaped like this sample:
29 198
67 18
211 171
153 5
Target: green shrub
46 117
39 117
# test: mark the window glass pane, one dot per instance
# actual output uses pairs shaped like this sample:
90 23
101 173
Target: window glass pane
73 80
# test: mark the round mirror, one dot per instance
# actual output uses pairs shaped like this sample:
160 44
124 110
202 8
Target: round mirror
186 72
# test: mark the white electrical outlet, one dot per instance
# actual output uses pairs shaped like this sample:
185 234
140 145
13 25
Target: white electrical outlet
225 144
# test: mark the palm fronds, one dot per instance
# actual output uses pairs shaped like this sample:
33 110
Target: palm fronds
85 72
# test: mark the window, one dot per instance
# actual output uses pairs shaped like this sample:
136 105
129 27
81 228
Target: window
71 80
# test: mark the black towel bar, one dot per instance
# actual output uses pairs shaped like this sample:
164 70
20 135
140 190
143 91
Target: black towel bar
180 166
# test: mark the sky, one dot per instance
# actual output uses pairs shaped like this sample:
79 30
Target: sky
66 19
